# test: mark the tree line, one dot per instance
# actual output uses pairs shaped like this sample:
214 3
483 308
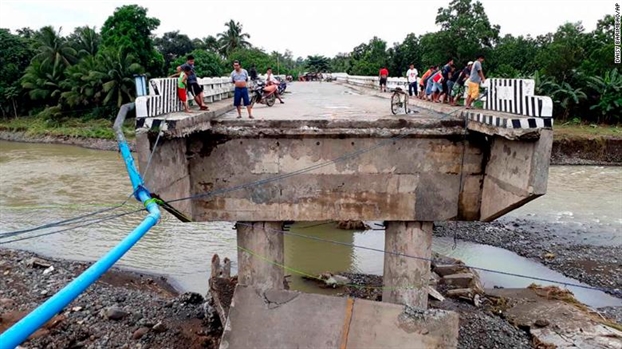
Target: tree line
573 66
90 72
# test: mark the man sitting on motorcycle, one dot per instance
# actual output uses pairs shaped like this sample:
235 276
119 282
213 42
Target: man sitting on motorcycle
272 84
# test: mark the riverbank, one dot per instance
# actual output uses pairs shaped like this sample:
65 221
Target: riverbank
91 134
121 310
598 266
572 144
586 145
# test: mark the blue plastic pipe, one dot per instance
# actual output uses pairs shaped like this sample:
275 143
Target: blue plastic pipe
17 334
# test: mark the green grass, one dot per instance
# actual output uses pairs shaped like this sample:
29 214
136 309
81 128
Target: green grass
573 130
75 128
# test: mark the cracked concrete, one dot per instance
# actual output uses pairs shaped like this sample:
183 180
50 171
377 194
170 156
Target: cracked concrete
318 321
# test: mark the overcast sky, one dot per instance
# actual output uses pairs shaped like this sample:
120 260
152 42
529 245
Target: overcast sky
324 27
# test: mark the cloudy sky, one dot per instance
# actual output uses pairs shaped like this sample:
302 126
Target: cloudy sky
305 27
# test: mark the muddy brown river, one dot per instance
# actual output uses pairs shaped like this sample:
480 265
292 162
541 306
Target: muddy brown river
40 183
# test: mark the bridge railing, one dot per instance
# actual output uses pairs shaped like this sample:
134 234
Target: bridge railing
163 99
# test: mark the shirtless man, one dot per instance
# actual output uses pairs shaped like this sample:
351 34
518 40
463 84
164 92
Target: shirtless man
239 77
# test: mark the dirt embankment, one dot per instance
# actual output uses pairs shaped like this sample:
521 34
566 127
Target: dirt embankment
89 143
587 151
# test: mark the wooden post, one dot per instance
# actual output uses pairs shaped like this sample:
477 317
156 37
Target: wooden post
406 279
260 254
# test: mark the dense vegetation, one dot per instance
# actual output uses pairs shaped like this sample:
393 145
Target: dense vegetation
89 73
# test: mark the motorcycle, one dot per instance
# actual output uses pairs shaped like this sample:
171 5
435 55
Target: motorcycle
262 97
282 86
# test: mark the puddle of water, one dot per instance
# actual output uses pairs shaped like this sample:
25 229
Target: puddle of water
490 257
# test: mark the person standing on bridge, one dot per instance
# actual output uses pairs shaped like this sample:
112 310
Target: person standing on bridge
239 77
424 81
182 83
446 72
384 74
193 85
475 79
459 86
411 75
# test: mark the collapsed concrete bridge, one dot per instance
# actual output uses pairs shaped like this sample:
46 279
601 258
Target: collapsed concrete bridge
333 152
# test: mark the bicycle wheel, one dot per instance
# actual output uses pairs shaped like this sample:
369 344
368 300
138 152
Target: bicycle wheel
395 103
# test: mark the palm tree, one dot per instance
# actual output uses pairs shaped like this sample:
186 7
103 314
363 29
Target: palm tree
53 49
211 44
81 89
85 41
44 81
115 72
232 38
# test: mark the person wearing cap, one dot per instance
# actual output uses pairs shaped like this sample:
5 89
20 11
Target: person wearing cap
461 82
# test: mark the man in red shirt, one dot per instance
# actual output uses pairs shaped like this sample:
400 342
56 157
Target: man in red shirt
384 73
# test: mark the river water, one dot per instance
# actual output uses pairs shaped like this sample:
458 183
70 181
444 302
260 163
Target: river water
45 183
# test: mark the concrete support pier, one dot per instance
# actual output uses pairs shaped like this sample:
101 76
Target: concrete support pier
406 279
260 254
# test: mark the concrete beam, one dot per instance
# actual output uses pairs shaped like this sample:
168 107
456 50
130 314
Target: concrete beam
409 179
260 254
287 319
515 174
406 279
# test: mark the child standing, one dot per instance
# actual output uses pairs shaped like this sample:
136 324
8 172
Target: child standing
182 82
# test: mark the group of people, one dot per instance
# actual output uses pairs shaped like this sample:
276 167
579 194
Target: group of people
443 84
187 81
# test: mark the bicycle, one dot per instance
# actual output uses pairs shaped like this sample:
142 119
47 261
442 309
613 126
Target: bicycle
399 100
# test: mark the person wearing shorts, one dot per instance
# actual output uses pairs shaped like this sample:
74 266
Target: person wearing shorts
437 87
239 77
429 85
182 82
423 82
384 73
475 79
192 84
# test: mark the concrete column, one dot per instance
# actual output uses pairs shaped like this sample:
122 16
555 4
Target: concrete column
260 254
406 279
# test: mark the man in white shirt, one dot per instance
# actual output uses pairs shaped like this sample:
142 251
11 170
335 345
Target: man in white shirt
411 75
273 83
